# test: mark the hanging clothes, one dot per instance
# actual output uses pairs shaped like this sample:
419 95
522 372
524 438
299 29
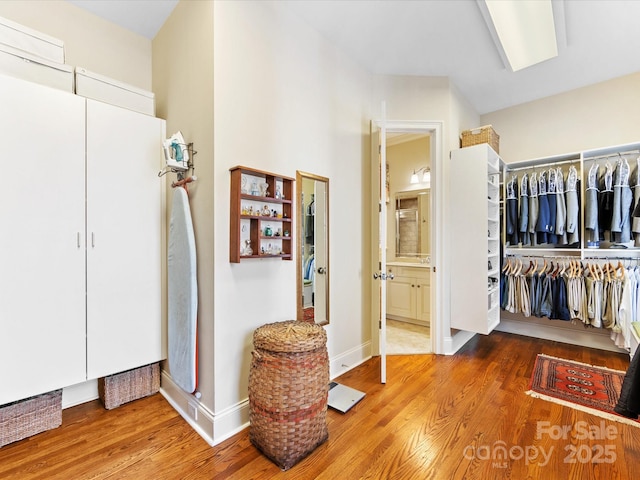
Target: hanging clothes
512 211
573 206
542 225
635 219
552 200
561 209
605 207
533 208
591 208
523 220
622 202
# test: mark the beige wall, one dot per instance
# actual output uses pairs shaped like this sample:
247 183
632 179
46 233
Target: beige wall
284 101
403 159
599 115
183 84
90 42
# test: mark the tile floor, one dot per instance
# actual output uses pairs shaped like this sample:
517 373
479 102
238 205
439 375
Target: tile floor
407 338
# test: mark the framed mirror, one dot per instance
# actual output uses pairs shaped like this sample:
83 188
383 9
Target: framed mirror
411 219
312 252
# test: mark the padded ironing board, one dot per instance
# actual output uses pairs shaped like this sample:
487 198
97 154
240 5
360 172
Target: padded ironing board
183 295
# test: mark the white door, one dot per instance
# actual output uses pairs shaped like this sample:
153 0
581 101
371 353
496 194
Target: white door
379 241
42 249
124 236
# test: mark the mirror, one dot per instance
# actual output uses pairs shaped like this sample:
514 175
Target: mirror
411 224
312 252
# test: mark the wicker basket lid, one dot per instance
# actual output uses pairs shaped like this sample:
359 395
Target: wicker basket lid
289 336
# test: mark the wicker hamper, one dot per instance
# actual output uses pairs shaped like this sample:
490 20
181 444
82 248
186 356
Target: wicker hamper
288 390
124 387
27 417
479 135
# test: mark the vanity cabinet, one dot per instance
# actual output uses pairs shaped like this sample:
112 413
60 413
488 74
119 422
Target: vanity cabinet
409 294
261 215
475 238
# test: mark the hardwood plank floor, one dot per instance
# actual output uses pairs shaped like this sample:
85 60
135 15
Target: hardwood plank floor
438 417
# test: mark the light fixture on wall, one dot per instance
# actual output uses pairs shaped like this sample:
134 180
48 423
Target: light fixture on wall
426 175
526 32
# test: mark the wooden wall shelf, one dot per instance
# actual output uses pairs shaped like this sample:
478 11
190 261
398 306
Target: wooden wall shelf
247 221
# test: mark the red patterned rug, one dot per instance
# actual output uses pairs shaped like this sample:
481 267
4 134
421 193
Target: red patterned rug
577 385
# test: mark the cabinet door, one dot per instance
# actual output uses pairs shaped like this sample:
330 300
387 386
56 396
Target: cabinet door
42 250
423 299
401 297
124 222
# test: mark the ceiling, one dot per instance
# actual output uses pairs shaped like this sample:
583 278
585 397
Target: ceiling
446 38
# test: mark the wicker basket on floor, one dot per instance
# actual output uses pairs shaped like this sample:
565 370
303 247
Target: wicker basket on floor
288 391
28 417
125 387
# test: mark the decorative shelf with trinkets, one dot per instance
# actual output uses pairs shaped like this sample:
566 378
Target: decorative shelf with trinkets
261 224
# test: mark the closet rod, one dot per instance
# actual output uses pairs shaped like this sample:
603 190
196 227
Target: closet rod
612 155
543 166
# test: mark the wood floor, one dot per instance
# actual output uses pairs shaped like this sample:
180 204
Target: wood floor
438 417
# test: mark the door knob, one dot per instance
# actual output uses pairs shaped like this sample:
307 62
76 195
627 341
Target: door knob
322 270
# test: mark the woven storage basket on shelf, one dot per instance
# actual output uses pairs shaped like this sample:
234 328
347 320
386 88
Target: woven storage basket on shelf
124 387
479 135
288 390
28 417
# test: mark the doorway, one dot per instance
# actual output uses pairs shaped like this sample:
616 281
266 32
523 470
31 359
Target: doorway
408 172
379 249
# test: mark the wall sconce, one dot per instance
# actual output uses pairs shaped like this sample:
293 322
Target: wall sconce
426 175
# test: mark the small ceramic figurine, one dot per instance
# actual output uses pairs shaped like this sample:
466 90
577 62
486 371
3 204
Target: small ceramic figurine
248 251
265 211
278 192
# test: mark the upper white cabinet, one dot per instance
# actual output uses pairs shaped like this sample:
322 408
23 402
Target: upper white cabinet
42 241
475 238
124 232
81 243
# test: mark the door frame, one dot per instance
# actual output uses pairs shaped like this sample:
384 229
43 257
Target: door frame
435 129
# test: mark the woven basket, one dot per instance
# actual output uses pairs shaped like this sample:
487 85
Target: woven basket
480 135
125 387
288 391
28 417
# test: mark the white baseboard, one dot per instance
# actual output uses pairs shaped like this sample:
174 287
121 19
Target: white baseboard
219 426
349 359
189 407
456 341
80 393
560 331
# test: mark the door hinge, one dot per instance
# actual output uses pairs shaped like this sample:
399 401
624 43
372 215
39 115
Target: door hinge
379 149
379 208
434 269
379 324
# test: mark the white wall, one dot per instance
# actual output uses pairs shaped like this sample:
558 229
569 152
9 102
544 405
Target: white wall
90 42
284 101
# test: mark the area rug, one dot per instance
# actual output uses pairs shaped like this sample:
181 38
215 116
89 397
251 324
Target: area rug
592 389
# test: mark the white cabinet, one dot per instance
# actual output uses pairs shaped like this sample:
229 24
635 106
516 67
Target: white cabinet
80 285
42 249
475 238
124 231
409 294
